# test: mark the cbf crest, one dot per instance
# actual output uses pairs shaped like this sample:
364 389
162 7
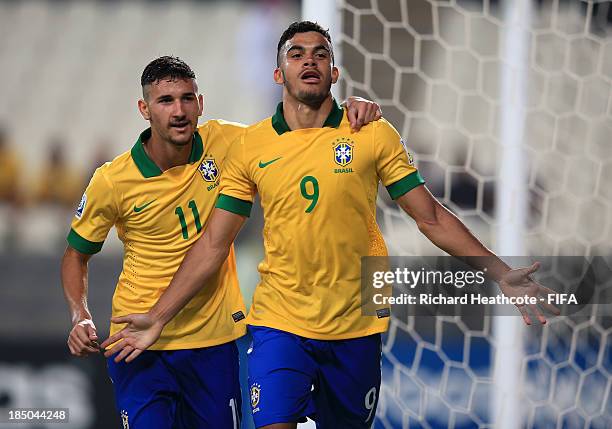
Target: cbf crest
255 396
343 151
125 419
209 170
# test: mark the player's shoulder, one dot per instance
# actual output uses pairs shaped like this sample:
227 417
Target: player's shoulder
118 165
261 129
108 174
222 124
384 130
228 130
383 124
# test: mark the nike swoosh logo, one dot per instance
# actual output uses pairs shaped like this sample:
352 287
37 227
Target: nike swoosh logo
265 164
141 208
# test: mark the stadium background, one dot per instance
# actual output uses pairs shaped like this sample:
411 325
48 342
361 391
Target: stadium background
448 77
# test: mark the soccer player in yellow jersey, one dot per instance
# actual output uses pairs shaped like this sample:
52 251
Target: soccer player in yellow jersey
159 196
314 353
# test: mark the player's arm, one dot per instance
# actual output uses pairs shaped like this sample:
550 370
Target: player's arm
202 261
82 339
448 233
397 172
360 112
94 217
445 230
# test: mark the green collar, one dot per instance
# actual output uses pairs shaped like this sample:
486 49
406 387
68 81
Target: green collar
333 120
147 167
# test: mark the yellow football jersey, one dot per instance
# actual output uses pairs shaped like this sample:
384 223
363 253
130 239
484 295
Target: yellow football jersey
318 189
158 216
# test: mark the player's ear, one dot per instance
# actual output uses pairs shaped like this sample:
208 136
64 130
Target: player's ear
201 102
335 74
143 107
279 76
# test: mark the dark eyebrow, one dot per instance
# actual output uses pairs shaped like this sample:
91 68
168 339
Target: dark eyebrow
295 48
325 48
168 96
302 49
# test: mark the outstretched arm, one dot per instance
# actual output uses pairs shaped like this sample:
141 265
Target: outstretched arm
83 338
443 228
201 262
448 233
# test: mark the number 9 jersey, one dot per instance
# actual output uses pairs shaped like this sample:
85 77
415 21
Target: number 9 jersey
318 189
158 216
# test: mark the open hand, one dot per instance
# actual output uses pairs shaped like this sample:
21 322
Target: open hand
140 333
518 282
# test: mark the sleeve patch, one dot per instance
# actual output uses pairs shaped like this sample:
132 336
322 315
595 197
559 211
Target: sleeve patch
81 208
410 157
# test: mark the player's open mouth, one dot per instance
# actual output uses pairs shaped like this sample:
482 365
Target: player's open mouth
311 76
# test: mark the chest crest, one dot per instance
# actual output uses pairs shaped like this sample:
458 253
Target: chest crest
343 153
209 170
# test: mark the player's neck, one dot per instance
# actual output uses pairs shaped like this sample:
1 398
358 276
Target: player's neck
165 154
299 115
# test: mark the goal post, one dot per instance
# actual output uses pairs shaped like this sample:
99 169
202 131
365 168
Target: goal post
511 204
325 12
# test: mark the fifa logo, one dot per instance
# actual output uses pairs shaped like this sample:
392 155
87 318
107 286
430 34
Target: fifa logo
81 208
410 157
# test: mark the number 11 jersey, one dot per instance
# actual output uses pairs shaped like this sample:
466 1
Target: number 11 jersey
158 216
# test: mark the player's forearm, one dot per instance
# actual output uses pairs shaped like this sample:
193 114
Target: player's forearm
448 233
199 265
74 283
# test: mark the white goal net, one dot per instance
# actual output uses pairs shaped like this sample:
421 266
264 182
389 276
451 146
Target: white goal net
446 75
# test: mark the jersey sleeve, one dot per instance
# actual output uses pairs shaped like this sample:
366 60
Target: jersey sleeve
394 164
94 217
237 190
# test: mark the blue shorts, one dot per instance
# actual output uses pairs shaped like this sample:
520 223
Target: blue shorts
195 388
336 383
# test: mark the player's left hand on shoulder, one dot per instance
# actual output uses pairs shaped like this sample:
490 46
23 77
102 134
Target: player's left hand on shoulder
518 282
361 112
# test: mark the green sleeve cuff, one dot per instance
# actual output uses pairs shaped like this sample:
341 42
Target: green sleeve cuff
234 205
82 245
404 185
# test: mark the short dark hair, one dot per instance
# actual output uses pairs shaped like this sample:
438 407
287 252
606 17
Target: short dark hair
166 67
301 27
